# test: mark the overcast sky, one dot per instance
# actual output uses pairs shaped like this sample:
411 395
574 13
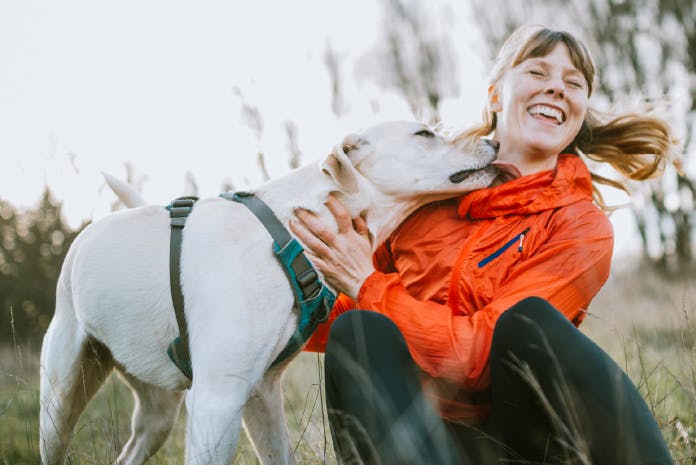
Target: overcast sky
88 86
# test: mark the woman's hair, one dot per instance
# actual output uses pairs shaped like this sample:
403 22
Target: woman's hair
635 145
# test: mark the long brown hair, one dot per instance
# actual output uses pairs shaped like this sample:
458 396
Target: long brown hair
636 146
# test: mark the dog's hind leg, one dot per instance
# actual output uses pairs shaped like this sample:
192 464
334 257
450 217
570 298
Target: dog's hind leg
73 367
264 421
154 413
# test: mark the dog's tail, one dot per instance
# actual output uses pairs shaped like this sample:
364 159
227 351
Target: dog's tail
125 192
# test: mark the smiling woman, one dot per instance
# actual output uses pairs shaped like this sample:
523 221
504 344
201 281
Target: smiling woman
538 102
468 311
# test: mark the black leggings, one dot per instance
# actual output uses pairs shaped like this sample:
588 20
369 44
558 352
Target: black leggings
556 396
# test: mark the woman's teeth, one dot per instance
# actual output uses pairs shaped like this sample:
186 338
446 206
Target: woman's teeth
547 112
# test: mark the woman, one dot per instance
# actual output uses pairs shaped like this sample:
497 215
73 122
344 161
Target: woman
466 349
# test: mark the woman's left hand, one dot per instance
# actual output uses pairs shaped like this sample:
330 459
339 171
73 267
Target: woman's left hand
343 257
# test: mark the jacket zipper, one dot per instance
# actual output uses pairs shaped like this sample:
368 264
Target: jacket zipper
453 300
519 238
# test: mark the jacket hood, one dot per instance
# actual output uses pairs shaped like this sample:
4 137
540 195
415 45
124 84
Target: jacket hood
568 183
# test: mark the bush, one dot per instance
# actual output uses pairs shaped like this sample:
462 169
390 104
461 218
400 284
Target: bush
33 245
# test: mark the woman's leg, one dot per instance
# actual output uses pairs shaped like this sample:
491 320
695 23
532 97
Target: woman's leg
558 398
376 407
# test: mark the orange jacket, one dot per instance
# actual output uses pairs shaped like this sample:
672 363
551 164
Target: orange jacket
449 271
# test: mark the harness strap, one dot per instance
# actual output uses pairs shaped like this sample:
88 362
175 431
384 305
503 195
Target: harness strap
307 277
313 300
178 350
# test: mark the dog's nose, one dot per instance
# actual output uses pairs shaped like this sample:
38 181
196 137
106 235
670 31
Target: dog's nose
493 143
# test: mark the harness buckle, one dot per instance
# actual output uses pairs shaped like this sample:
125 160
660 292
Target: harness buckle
187 202
180 209
309 283
323 311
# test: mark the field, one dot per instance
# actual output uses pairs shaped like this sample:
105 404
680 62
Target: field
645 320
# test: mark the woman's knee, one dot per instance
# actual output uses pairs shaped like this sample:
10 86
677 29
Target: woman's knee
529 313
362 328
525 324
364 341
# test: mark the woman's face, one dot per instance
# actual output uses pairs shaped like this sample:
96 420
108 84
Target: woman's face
540 105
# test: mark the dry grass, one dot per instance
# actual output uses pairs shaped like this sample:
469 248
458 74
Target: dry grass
105 426
646 321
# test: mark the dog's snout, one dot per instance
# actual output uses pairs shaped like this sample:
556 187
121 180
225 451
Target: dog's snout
487 149
492 143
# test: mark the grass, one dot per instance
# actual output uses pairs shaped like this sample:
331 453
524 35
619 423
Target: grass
105 425
646 321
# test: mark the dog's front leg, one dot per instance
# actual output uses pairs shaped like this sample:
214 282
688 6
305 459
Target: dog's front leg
264 421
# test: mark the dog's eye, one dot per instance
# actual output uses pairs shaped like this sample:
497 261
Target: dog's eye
424 133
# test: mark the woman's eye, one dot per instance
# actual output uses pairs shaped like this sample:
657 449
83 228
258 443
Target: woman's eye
424 133
535 72
575 84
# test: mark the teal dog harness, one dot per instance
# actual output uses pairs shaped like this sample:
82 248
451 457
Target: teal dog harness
313 300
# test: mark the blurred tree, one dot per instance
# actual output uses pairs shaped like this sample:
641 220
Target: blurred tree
413 58
333 63
34 244
190 184
8 266
292 144
641 47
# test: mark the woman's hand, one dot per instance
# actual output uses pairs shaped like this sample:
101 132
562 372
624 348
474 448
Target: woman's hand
344 258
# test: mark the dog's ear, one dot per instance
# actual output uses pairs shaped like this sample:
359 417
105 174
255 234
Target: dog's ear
339 168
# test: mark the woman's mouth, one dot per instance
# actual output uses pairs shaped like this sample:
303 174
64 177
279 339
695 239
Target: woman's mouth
547 113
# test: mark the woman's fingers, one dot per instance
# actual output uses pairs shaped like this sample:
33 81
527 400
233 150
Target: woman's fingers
360 227
340 212
316 260
315 226
307 234
343 257
319 229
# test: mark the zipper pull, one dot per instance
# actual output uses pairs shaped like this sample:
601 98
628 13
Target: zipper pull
519 247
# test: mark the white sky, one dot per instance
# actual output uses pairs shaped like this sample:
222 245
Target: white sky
152 83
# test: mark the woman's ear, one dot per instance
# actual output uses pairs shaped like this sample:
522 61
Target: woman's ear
494 104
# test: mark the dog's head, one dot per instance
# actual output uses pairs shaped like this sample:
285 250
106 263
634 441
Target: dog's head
409 160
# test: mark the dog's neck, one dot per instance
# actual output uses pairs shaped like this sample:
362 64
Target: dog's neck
381 212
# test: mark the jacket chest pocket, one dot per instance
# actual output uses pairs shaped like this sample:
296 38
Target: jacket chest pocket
516 243
492 266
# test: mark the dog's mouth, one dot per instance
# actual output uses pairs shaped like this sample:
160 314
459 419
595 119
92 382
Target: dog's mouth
460 176
487 149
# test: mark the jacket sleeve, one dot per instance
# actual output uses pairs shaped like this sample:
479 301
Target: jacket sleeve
317 343
567 270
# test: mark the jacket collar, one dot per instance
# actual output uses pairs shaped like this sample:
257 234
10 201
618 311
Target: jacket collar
568 183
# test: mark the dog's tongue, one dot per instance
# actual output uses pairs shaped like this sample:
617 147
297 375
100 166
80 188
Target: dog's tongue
507 170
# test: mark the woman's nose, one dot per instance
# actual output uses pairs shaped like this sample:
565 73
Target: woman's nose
556 87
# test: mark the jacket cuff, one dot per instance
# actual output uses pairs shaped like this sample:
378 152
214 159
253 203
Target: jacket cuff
371 290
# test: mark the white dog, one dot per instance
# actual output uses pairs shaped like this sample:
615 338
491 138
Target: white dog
113 305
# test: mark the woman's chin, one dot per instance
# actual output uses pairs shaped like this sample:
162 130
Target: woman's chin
543 148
